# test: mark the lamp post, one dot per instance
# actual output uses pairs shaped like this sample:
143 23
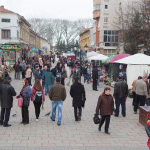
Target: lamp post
86 49
80 63
75 49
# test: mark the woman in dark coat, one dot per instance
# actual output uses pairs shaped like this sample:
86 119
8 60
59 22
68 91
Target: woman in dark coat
77 92
106 106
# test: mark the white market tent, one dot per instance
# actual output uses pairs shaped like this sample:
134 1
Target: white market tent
137 59
98 57
137 66
90 54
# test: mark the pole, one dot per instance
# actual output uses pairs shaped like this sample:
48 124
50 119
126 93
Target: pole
80 65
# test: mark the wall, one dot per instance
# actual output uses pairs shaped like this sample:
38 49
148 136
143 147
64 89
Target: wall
12 25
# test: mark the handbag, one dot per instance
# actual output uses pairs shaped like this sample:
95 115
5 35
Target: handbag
83 103
147 131
96 119
20 101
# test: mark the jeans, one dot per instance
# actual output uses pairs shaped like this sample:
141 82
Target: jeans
98 79
139 99
18 75
85 77
56 104
121 101
103 118
47 89
88 77
37 109
5 113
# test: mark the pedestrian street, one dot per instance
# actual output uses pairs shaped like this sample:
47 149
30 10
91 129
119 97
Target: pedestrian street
125 132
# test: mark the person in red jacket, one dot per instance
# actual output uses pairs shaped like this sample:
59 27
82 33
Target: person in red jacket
38 97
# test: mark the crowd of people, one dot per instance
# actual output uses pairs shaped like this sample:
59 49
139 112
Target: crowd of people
50 81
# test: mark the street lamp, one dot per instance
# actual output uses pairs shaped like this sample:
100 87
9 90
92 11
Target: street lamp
75 49
86 48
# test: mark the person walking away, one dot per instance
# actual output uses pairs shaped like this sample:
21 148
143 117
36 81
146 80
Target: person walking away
18 69
74 74
1 82
63 75
57 95
85 74
99 74
36 73
38 97
28 75
88 74
42 72
23 69
49 81
25 93
95 78
6 71
77 92
6 94
120 95
105 105
141 93
54 71
133 90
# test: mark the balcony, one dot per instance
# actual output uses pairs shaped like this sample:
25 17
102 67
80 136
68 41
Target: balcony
96 14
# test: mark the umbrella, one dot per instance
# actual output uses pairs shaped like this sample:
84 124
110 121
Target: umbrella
109 58
98 57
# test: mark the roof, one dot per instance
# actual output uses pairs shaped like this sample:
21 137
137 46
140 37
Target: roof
84 31
3 10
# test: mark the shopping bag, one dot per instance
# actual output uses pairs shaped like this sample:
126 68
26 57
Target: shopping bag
96 119
20 101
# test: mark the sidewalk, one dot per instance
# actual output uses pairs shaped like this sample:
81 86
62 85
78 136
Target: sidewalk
126 133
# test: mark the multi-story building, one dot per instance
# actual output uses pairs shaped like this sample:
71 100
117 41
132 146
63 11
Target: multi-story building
38 41
85 38
32 39
105 14
9 27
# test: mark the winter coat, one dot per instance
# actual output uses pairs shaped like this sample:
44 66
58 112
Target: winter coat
77 92
64 74
105 104
33 94
36 74
26 96
18 68
48 78
121 89
95 73
84 70
7 92
57 92
54 72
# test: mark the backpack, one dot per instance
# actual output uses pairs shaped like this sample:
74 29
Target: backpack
38 96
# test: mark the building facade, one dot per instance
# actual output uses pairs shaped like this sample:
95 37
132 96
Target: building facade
105 14
85 39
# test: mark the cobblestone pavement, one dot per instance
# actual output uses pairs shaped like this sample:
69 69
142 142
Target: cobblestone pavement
126 133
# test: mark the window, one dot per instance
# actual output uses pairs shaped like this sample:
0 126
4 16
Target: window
106 20
5 34
106 6
106 0
96 7
111 38
5 20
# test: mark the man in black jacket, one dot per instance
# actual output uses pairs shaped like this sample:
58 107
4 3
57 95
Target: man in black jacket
7 92
120 95
95 78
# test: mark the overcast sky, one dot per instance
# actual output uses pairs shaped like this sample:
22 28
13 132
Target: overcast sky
65 9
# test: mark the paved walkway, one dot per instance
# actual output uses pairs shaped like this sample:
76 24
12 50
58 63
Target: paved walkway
126 133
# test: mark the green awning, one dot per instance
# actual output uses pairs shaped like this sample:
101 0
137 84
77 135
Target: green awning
109 58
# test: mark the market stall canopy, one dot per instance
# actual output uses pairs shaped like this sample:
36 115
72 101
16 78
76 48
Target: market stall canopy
98 57
137 59
90 54
118 57
109 58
